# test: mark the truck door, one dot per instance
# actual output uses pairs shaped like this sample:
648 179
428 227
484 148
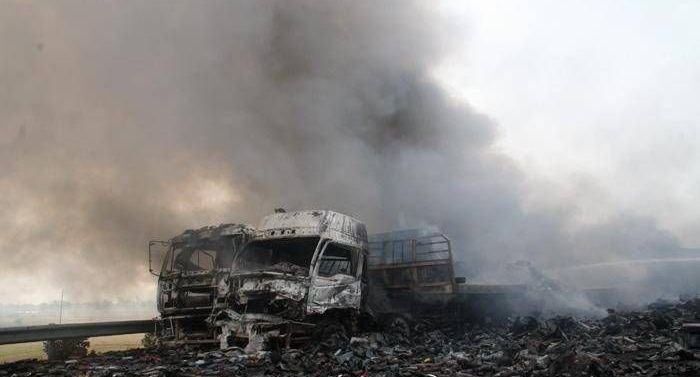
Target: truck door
335 282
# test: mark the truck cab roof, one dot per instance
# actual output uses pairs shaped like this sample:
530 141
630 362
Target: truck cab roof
210 232
319 223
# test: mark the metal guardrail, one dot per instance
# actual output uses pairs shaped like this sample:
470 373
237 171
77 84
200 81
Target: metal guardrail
25 334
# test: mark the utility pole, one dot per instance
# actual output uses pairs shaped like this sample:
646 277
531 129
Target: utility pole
60 309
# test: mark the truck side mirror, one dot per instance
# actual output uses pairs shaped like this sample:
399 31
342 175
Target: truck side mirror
159 249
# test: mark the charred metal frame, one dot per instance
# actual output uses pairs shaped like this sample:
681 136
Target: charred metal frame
426 254
150 255
690 335
338 294
186 298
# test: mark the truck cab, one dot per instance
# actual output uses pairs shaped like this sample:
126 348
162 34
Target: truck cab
193 263
299 269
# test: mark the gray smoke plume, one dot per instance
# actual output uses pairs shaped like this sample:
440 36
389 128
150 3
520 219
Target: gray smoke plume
131 121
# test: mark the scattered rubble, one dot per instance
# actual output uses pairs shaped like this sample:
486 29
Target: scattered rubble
641 343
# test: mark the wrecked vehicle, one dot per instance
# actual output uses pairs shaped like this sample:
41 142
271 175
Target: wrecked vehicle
411 273
193 264
301 275
307 274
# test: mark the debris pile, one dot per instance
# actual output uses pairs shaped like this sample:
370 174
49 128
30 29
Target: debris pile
634 343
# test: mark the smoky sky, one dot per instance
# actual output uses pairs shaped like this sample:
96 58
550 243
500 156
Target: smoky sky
129 121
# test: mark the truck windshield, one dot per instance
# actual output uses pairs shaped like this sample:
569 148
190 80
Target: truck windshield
200 256
290 255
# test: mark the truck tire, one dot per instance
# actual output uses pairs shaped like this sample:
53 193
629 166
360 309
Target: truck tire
397 328
330 334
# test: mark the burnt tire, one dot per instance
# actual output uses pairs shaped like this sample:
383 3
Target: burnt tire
330 334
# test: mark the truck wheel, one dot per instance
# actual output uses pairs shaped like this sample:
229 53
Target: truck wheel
398 329
331 334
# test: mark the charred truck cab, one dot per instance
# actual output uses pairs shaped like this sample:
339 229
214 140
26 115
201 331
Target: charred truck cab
194 262
301 272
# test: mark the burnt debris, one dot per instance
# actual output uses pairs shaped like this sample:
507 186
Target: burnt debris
647 342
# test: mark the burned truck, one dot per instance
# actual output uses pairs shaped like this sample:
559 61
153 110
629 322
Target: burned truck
302 274
307 274
193 264
412 272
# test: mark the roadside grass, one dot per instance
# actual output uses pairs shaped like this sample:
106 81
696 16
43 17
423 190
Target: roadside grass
14 352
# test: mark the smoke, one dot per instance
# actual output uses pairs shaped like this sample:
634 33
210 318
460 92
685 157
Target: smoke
125 123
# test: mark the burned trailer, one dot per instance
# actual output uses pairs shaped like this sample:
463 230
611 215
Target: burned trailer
300 275
193 264
411 273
